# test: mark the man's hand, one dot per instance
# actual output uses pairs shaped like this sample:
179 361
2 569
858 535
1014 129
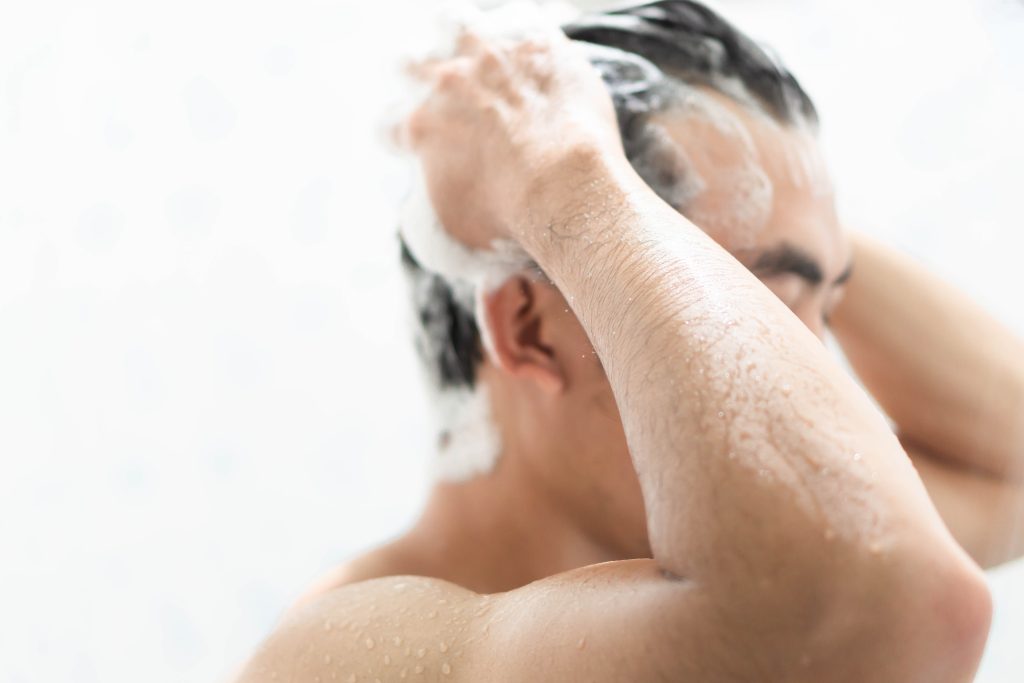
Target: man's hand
499 119
957 403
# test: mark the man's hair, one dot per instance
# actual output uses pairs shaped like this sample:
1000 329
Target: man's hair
658 51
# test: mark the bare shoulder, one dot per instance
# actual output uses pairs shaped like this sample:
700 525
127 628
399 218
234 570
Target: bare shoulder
392 559
417 628
379 629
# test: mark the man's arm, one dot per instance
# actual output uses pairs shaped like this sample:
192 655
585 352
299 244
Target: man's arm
952 379
791 539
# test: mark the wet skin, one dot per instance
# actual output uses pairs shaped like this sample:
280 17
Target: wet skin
729 406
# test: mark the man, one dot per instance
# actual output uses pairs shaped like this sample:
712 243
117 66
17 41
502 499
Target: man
790 539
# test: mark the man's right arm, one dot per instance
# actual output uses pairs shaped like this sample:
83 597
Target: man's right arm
791 538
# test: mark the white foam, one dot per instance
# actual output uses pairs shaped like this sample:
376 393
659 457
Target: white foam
473 270
743 214
470 443
467 270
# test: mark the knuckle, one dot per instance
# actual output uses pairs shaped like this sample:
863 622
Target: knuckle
528 46
491 109
451 77
468 40
542 64
490 59
417 126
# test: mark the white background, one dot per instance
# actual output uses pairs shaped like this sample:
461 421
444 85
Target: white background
207 390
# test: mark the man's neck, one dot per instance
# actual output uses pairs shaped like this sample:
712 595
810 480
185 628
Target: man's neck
500 531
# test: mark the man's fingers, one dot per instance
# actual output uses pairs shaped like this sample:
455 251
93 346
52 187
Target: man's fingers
468 42
408 134
422 69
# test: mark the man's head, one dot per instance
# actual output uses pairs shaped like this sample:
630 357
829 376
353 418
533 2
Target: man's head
723 133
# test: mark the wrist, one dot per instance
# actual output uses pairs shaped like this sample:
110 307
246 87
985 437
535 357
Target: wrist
569 196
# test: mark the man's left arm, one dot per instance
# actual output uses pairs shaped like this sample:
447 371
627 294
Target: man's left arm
952 379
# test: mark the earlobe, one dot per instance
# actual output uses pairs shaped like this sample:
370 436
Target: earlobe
517 331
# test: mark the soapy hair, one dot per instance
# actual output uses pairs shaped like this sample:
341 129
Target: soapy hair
649 56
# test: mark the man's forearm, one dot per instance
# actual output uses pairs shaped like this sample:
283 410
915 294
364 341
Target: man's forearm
960 394
725 395
769 480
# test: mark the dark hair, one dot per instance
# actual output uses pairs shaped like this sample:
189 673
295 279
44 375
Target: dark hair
660 49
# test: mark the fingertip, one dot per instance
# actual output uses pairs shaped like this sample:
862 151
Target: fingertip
396 137
420 69
468 41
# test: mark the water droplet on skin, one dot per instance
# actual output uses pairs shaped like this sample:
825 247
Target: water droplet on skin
721 413
387 659
327 659
875 548
403 673
824 471
830 534
397 641
787 389
763 473
732 456
418 669
581 644
369 643
351 678
444 646
328 625
420 652
431 614
857 457
446 668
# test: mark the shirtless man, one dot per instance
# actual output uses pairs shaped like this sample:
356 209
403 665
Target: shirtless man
682 413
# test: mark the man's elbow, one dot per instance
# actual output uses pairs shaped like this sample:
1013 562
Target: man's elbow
964 609
937 622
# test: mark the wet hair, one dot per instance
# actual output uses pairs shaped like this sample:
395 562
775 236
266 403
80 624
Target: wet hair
648 56
447 336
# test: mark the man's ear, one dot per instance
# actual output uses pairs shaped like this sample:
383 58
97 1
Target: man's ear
519 332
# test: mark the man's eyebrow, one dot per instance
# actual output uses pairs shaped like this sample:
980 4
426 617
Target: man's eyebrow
785 258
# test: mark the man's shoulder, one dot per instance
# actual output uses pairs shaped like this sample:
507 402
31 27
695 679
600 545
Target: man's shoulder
393 559
360 630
